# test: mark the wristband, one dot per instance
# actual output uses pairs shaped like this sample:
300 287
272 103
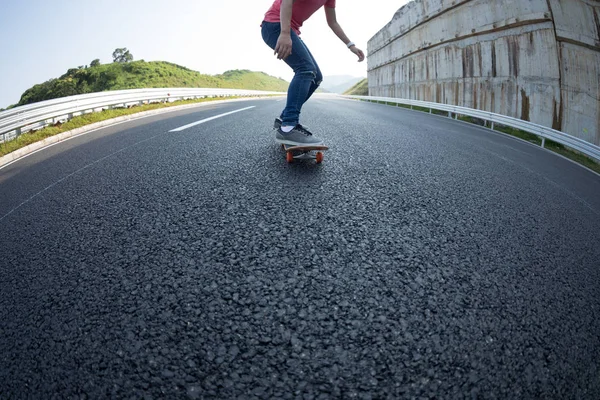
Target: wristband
351 44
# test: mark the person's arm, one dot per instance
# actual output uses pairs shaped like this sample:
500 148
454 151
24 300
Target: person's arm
337 29
283 48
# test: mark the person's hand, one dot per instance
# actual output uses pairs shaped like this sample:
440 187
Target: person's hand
284 46
358 52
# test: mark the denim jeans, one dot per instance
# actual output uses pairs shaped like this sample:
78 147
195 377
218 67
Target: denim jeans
307 75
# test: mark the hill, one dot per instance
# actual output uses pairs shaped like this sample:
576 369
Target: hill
360 89
244 79
142 74
339 83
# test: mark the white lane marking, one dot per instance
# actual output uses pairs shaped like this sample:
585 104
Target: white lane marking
105 157
163 111
181 128
539 175
69 138
76 172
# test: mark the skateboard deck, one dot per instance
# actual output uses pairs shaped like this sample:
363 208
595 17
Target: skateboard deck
293 152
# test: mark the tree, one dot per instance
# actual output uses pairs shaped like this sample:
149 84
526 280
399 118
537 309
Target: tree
39 92
95 63
122 55
64 88
70 72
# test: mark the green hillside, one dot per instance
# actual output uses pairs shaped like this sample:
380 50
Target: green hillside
244 79
360 89
142 74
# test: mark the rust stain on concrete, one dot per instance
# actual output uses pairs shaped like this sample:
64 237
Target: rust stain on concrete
456 92
485 93
524 106
468 62
513 55
557 115
480 59
597 21
443 93
494 72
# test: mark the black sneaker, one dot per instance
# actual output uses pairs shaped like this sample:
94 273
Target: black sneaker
278 122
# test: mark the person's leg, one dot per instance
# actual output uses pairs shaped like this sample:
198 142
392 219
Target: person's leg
319 76
305 73
313 86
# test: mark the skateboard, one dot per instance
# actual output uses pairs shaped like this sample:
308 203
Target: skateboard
304 152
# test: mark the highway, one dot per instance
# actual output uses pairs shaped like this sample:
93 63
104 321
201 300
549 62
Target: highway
424 258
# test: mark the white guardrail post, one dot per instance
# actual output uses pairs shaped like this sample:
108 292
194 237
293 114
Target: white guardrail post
543 132
36 116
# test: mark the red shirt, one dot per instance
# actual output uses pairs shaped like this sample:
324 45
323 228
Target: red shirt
301 11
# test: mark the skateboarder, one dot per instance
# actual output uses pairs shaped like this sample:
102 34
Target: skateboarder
281 32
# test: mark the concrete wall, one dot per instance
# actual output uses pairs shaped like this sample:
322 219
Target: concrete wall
538 60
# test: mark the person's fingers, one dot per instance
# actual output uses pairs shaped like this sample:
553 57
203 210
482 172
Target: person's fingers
283 49
360 54
285 52
277 48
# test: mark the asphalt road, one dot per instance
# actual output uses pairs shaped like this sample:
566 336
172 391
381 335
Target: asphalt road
424 258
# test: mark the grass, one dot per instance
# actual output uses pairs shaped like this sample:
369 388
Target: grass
529 137
360 89
415 108
87 119
552 146
573 155
471 120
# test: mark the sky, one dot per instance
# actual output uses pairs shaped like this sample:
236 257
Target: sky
43 39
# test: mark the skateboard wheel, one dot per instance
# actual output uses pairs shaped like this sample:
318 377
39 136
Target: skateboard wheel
319 157
289 157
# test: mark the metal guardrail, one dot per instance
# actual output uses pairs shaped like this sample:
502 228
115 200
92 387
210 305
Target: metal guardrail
22 119
35 116
543 132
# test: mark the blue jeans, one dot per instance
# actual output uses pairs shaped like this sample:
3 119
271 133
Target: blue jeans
307 75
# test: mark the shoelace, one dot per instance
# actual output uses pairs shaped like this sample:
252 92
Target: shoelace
304 130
